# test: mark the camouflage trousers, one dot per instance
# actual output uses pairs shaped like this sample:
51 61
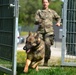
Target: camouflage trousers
49 40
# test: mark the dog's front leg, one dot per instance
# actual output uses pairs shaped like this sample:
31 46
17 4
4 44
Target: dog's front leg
37 69
36 65
27 65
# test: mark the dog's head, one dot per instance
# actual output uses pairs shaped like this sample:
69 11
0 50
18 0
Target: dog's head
31 41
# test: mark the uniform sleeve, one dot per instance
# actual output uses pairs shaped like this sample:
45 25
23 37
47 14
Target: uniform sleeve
37 17
56 16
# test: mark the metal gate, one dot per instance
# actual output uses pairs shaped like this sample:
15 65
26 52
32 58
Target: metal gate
8 29
69 33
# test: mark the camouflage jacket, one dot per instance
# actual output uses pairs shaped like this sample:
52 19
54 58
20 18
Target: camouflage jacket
44 18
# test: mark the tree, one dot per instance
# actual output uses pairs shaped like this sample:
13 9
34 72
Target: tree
27 11
29 7
57 6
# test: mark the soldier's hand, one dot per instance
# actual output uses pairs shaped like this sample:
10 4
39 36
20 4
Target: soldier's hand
58 24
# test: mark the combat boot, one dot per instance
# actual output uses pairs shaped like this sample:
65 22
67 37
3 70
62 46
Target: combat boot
45 62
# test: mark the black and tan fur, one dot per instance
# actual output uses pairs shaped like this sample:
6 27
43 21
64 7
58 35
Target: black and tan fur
35 50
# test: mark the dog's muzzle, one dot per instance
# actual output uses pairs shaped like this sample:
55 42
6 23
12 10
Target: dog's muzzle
26 49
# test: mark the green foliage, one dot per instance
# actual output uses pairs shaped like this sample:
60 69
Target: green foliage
57 6
28 9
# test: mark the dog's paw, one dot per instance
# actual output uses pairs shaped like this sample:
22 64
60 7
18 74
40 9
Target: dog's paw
37 69
26 70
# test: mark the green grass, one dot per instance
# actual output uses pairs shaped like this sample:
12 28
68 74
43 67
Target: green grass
21 57
51 71
2 73
24 33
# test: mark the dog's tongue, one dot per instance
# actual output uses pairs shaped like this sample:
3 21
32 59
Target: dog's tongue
28 51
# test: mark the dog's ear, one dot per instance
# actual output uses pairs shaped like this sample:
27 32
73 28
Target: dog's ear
30 33
39 40
36 35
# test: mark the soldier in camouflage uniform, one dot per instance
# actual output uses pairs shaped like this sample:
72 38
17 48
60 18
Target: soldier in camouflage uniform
44 18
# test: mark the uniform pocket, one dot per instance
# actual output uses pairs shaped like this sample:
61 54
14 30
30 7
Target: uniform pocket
52 39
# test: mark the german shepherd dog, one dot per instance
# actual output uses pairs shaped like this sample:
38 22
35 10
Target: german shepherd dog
35 50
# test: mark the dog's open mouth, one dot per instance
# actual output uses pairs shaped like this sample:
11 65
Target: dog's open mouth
28 51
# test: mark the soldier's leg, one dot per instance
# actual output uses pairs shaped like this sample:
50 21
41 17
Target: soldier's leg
47 51
49 40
